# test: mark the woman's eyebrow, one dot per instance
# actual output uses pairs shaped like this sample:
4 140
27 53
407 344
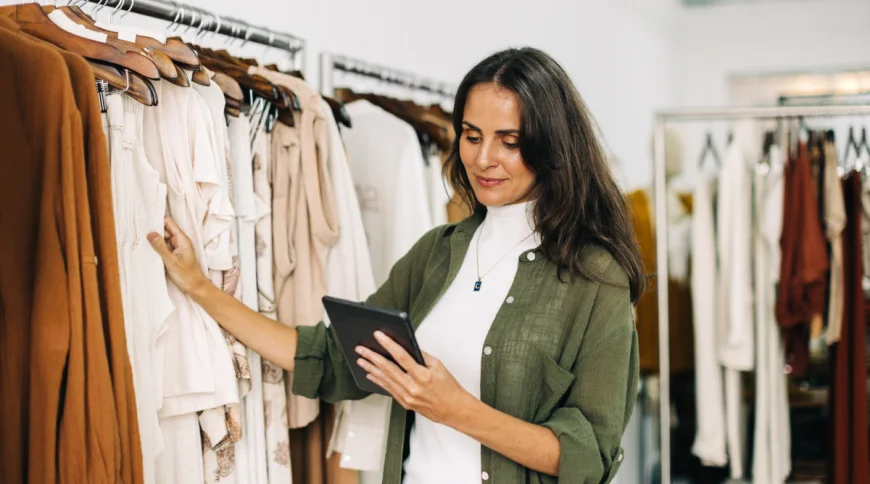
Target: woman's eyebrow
501 131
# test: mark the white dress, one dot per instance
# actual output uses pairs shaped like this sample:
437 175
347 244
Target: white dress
254 427
771 462
735 310
274 393
196 367
359 433
221 463
709 445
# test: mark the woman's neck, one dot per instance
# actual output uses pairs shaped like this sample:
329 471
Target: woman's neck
507 224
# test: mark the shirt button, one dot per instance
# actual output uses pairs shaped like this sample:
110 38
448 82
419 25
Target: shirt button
510 300
484 475
619 457
350 435
487 350
530 256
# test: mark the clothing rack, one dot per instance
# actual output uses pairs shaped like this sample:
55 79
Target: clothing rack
659 183
182 14
825 99
329 63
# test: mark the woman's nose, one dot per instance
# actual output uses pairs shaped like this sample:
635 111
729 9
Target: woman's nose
486 157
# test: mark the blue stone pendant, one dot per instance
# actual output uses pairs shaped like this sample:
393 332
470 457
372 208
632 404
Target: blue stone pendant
476 286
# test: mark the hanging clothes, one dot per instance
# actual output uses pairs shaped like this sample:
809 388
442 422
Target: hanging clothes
835 224
388 170
848 403
197 368
679 298
139 199
735 335
304 224
247 215
62 330
771 457
274 393
802 286
222 464
359 434
710 439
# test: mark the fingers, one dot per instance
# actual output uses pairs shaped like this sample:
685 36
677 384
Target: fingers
177 238
159 245
381 379
398 353
382 367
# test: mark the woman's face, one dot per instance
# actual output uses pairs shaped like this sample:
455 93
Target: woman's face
489 147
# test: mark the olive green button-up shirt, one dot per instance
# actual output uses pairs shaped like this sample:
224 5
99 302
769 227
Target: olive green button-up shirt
562 353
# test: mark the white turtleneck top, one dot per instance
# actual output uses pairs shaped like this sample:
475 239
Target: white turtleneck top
455 331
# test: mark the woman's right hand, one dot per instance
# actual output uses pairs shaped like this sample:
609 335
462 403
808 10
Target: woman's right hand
179 258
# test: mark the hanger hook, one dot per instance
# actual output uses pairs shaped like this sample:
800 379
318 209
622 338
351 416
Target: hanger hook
132 2
219 21
247 34
180 16
115 10
193 14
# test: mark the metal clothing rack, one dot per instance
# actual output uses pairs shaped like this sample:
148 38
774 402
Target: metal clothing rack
329 63
182 14
659 183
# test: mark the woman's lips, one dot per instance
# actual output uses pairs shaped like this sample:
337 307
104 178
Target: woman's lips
489 182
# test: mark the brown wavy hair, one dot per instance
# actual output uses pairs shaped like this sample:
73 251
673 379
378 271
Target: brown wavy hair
577 200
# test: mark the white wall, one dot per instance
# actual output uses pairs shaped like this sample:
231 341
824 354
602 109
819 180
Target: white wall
769 37
720 43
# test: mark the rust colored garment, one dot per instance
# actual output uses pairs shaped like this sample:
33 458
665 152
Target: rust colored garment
127 452
88 445
40 284
803 271
850 454
679 298
309 445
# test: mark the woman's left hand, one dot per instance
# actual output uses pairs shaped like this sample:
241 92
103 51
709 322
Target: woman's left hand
428 390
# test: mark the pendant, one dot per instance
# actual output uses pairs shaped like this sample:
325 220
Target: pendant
477 285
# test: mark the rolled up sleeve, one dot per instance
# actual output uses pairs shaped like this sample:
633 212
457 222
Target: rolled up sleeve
590 424
321 368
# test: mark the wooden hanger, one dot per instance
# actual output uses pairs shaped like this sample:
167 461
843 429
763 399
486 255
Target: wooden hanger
338 111
33 21
164 64
256 83
139 89
179 52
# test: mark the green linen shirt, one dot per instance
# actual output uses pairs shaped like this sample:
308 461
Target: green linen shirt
560 353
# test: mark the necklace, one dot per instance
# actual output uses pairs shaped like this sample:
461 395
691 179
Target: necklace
477 256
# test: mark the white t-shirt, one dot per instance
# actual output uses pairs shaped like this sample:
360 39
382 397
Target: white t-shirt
389 173
439 453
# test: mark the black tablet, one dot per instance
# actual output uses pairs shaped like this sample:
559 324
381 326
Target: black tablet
355 324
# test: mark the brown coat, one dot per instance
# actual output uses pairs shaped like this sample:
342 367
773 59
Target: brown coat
40 273
94 442
803 272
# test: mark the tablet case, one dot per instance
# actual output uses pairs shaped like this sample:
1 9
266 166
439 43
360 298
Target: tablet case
355 324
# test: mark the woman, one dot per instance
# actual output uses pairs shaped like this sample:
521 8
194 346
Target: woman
523 310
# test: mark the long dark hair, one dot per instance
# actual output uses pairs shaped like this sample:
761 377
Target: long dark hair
578 202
